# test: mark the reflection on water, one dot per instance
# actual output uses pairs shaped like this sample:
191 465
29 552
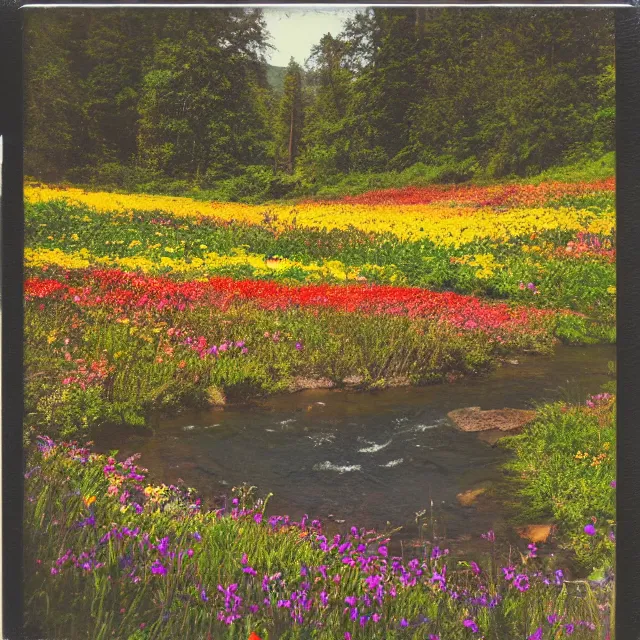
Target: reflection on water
358 457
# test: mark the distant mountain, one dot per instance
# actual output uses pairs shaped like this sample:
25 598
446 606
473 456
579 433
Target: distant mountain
275 77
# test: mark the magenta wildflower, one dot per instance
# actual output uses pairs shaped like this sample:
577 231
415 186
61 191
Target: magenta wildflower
521 582
163 546
509 573
536 635
590 530
471 624
569 628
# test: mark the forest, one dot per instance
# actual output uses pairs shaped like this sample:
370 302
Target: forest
185 103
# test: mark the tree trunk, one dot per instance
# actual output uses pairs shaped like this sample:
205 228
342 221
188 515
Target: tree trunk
293 104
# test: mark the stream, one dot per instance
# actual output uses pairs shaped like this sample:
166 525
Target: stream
371 459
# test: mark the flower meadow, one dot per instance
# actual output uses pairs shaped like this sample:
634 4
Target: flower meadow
111 555
134 302
140 305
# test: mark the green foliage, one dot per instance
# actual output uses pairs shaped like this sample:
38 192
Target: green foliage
566 462
175 101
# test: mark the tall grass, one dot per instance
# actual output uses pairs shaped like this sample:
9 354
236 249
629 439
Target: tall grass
89 366
565 465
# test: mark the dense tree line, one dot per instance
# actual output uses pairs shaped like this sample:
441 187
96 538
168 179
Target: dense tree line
168 100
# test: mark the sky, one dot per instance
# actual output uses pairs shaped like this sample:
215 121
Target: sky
294 31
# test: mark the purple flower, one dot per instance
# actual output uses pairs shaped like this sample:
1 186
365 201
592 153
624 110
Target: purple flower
163 546
590 530
299 346
158 568
475 568
350 600
347 635
552 619
569 628
87 522
536 635
470 624
613 484
533 550
203 596
521 582
490 535
509 573
404 623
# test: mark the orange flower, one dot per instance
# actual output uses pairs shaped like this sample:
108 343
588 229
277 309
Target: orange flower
89 501
254 636
182 364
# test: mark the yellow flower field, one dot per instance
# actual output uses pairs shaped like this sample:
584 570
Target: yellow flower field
445 226
201 267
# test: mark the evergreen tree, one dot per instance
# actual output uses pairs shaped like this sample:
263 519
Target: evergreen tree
51 96
198 111
289 124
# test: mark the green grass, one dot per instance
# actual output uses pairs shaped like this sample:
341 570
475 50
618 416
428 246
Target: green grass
564 464
147 370
258 184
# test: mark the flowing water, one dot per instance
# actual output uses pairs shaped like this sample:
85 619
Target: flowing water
364 458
